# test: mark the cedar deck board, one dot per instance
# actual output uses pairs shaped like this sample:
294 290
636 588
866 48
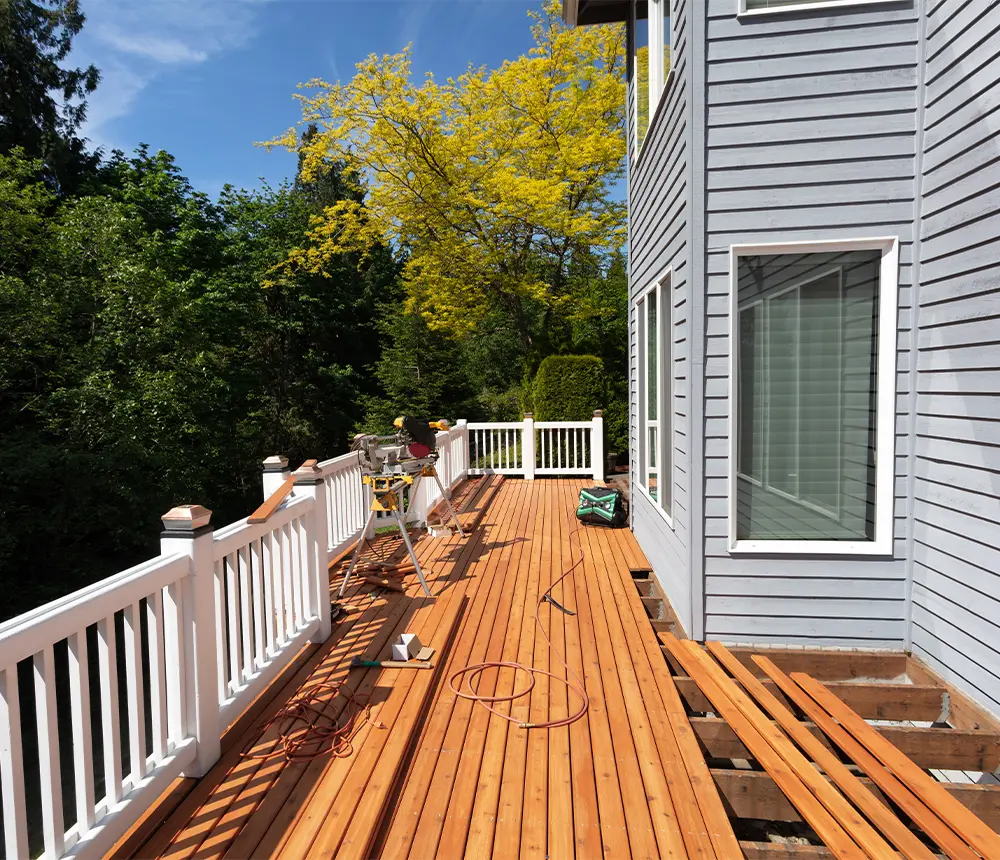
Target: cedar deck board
468 781
595 789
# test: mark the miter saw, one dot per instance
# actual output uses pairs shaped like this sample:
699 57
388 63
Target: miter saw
390 465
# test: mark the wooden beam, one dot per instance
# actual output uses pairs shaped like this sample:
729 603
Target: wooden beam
784 851
875 701
753 794
944 749
963 822
962 712
824 665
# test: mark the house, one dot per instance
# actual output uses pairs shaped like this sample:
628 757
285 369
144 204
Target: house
814 264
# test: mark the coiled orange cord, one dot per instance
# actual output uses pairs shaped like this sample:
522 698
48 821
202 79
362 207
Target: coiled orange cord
572 680
308 729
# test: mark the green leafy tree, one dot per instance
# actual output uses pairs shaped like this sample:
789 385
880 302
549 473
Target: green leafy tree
42 101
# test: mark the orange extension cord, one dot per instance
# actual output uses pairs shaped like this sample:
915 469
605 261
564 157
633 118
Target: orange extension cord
572 681
307 729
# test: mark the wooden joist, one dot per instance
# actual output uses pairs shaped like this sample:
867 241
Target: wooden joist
824 665
944 749
963 822
873 701
752 794
783 851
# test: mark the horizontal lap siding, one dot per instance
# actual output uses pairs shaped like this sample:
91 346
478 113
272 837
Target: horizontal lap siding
659 193
810 135
956 539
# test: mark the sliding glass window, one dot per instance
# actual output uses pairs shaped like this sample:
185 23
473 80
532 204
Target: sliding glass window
806 386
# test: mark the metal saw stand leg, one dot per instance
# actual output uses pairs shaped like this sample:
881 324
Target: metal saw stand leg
357 553
447 501
409 549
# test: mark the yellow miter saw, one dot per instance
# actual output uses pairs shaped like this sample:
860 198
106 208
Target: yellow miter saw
390 465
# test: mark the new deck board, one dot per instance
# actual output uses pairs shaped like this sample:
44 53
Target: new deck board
450 779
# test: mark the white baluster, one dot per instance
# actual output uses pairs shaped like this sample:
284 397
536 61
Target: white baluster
259 656
266 564
15 813
136 700
83 751
110 731
243 566
157 676
173 661
221 609
233 622
48 753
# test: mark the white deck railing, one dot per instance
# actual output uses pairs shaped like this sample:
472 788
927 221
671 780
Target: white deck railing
530 448
198 632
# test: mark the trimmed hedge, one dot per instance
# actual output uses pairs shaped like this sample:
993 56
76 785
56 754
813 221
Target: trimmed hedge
569 388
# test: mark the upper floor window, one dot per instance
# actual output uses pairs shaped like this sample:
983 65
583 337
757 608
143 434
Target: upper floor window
651 60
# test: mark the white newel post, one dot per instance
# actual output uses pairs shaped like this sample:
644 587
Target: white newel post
462 428
275 473
528 446
444 472
597 446
188 531
309 482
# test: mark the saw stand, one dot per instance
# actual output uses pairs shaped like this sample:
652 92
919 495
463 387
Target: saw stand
386 490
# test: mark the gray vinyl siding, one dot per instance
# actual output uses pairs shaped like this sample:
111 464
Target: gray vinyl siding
956 489
659 197
810 134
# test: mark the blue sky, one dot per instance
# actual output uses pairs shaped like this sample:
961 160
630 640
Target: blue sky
205 79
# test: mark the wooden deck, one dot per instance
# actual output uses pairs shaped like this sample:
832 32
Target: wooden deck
434 775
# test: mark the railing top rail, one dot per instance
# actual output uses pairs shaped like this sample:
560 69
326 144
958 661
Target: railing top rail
562 425
338 464
26 634
242 532
496 425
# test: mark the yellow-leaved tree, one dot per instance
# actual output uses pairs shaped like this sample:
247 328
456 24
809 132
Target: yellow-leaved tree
489 181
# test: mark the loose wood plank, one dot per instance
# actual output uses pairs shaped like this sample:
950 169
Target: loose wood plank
963 822
877 812
918 812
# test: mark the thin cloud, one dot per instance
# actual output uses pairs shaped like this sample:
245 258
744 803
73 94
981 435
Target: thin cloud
133 43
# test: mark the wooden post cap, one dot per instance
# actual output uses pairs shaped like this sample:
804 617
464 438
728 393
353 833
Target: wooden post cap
276 463
528 415
598 413
307 471
186 518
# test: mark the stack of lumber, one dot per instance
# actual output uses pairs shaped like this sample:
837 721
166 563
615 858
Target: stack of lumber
846 815
470 500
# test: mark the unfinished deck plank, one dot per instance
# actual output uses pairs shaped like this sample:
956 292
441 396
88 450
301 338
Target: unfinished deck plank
963 822
639 766
420 813
883 817
691 824
507 828
924 817
455 833
482 822
680 749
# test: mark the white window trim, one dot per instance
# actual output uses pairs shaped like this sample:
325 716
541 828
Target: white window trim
885 409
665 352
742 10
658 82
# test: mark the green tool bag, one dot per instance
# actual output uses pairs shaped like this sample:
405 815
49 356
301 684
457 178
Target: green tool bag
602 506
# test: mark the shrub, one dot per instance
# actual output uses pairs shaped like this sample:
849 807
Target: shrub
616 419
569 388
